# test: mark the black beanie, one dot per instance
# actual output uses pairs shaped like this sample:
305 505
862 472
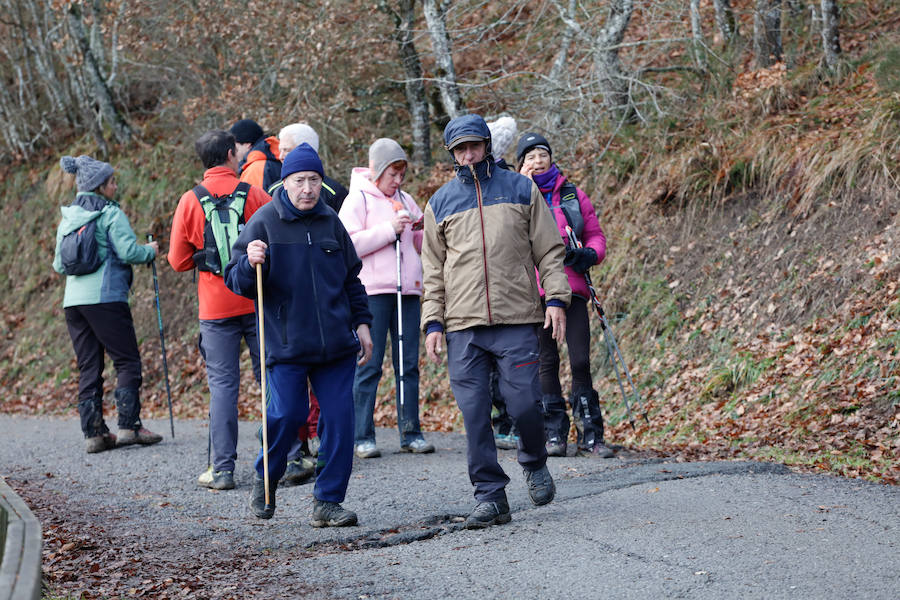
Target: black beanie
529 141
246 131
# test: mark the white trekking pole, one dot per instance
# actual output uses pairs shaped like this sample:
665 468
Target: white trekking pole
400 321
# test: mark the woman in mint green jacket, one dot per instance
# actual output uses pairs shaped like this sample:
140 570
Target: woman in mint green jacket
96 306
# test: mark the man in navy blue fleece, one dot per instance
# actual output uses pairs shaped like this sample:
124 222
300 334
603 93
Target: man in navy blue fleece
486 231
317 318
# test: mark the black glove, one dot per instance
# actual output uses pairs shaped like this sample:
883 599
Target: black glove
580 259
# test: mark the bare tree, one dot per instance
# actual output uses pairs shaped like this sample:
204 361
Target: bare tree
414 86
103 97
557 75
614 85
767 32
830 35
435 16
726 22
697 33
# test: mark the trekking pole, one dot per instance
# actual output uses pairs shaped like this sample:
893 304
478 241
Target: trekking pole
612 348
262 379
400 322
162 340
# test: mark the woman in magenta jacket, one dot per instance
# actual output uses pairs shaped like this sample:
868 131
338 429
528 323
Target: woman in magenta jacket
376 212
571 207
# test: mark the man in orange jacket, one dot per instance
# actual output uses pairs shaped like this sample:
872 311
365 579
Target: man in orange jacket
257 154
225 317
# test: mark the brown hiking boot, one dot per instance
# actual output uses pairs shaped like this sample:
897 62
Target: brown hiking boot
99 443
142 436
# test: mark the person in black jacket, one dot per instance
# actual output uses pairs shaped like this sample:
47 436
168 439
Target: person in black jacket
318 322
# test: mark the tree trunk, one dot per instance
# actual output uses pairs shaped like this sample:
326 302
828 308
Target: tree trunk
830 34
767 32
435 17
414 86
725 21
697 33
121 130
557 73
614 84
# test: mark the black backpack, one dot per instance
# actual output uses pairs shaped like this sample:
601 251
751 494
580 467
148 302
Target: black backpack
224 222
78 250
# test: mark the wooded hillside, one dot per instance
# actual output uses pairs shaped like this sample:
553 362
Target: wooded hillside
743 157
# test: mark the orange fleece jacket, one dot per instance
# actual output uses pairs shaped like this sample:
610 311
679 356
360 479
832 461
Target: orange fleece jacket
216 300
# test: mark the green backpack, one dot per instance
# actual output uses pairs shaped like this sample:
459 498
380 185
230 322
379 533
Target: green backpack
224 222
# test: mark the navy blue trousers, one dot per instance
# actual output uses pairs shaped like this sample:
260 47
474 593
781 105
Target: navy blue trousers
471 355
287 407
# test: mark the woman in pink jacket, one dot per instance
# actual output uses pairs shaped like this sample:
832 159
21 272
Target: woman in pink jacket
572 208
377 213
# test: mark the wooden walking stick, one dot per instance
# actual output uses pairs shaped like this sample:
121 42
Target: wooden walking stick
262 378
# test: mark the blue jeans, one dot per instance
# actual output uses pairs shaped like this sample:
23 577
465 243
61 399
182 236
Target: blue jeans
365 385
287 406
220 344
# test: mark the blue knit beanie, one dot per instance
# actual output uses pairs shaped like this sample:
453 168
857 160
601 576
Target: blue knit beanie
89 173
302 158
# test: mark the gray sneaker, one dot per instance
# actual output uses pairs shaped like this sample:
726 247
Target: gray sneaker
486 514
367 450
556 447
99 443
541 488
216 480
418 446
258 497
331 514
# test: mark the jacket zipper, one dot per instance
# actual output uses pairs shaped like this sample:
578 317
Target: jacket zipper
487 287
312 274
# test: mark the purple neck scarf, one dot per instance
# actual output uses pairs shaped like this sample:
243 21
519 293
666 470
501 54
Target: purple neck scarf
546 180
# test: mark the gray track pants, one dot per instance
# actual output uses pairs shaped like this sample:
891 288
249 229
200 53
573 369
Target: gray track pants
220 344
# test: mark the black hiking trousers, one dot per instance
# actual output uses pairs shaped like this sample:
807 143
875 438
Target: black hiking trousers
96 330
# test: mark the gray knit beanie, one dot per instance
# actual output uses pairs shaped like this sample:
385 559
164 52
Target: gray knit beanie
503 132
382 154
89 173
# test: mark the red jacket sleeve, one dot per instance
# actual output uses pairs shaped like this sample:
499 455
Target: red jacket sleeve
592 236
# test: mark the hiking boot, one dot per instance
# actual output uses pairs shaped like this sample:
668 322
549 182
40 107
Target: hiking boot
541 488
299 471
216 480
258 498
418 446
486 514
506 442
142 436
331 514
556 447
99 443
601 450
367 450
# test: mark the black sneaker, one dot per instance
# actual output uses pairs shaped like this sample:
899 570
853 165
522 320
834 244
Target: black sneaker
541 488
299 471
258 498
601 450
486 514
331 514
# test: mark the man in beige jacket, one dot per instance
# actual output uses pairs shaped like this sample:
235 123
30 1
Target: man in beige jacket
485 233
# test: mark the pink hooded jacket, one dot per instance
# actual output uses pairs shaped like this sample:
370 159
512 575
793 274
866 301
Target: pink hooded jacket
592 236
366 214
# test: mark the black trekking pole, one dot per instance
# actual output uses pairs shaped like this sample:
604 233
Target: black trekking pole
162 340
612 348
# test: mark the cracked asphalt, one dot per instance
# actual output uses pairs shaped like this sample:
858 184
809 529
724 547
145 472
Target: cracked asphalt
629 527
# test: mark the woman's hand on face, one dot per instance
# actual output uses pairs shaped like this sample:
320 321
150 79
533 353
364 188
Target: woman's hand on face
527 169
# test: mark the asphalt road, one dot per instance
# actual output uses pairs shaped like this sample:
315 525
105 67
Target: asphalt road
629 527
